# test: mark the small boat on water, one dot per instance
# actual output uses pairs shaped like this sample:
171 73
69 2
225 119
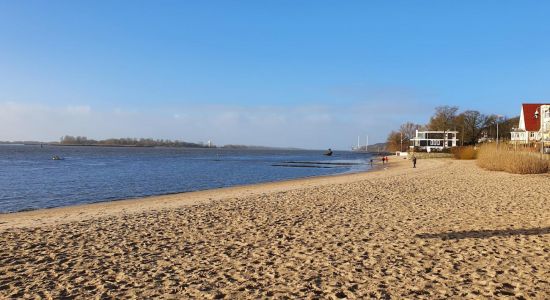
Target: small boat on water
55 157
328 153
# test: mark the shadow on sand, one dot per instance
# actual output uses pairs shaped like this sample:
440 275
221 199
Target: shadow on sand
483 234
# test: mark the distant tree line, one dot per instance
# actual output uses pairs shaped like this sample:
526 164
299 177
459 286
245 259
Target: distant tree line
82 140
470 124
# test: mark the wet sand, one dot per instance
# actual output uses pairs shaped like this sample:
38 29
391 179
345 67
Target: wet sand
447 229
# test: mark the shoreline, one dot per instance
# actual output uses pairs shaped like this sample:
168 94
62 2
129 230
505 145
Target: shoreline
90 176
445 230
63 214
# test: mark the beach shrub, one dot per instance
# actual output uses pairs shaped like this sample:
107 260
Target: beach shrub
511 161
468 152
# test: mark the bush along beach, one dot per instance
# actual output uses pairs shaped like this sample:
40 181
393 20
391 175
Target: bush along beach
512 161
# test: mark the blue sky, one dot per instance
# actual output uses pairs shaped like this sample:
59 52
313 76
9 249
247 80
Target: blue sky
311 74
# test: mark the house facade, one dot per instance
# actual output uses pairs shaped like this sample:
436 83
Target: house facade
434 140
534 124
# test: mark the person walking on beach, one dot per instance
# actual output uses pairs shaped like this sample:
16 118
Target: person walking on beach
414 161
383 160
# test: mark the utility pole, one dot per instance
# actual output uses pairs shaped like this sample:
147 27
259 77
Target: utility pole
538 114
462 140
497 133
498 118
541 134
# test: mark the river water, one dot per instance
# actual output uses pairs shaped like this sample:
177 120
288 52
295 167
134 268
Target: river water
30 179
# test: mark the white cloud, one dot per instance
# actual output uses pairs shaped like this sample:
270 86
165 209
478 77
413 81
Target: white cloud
315 126
79 109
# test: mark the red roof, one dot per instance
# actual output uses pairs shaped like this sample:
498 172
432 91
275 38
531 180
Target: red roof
529 109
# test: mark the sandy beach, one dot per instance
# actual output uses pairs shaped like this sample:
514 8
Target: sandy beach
446 229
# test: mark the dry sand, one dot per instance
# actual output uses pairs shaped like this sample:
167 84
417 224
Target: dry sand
444 230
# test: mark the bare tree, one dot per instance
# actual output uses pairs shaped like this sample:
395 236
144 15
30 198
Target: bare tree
394 141
443 120
409 130
490 126
472 124
407 133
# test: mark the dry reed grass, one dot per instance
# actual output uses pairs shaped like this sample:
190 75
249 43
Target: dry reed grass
467 152
511 161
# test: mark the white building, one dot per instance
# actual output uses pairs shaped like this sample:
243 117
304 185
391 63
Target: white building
534 123
434 140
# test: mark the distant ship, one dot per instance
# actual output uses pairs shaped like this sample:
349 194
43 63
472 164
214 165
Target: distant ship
360 148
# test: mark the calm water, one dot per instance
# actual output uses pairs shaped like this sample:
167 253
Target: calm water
30 179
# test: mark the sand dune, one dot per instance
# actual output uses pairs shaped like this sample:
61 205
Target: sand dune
444 230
